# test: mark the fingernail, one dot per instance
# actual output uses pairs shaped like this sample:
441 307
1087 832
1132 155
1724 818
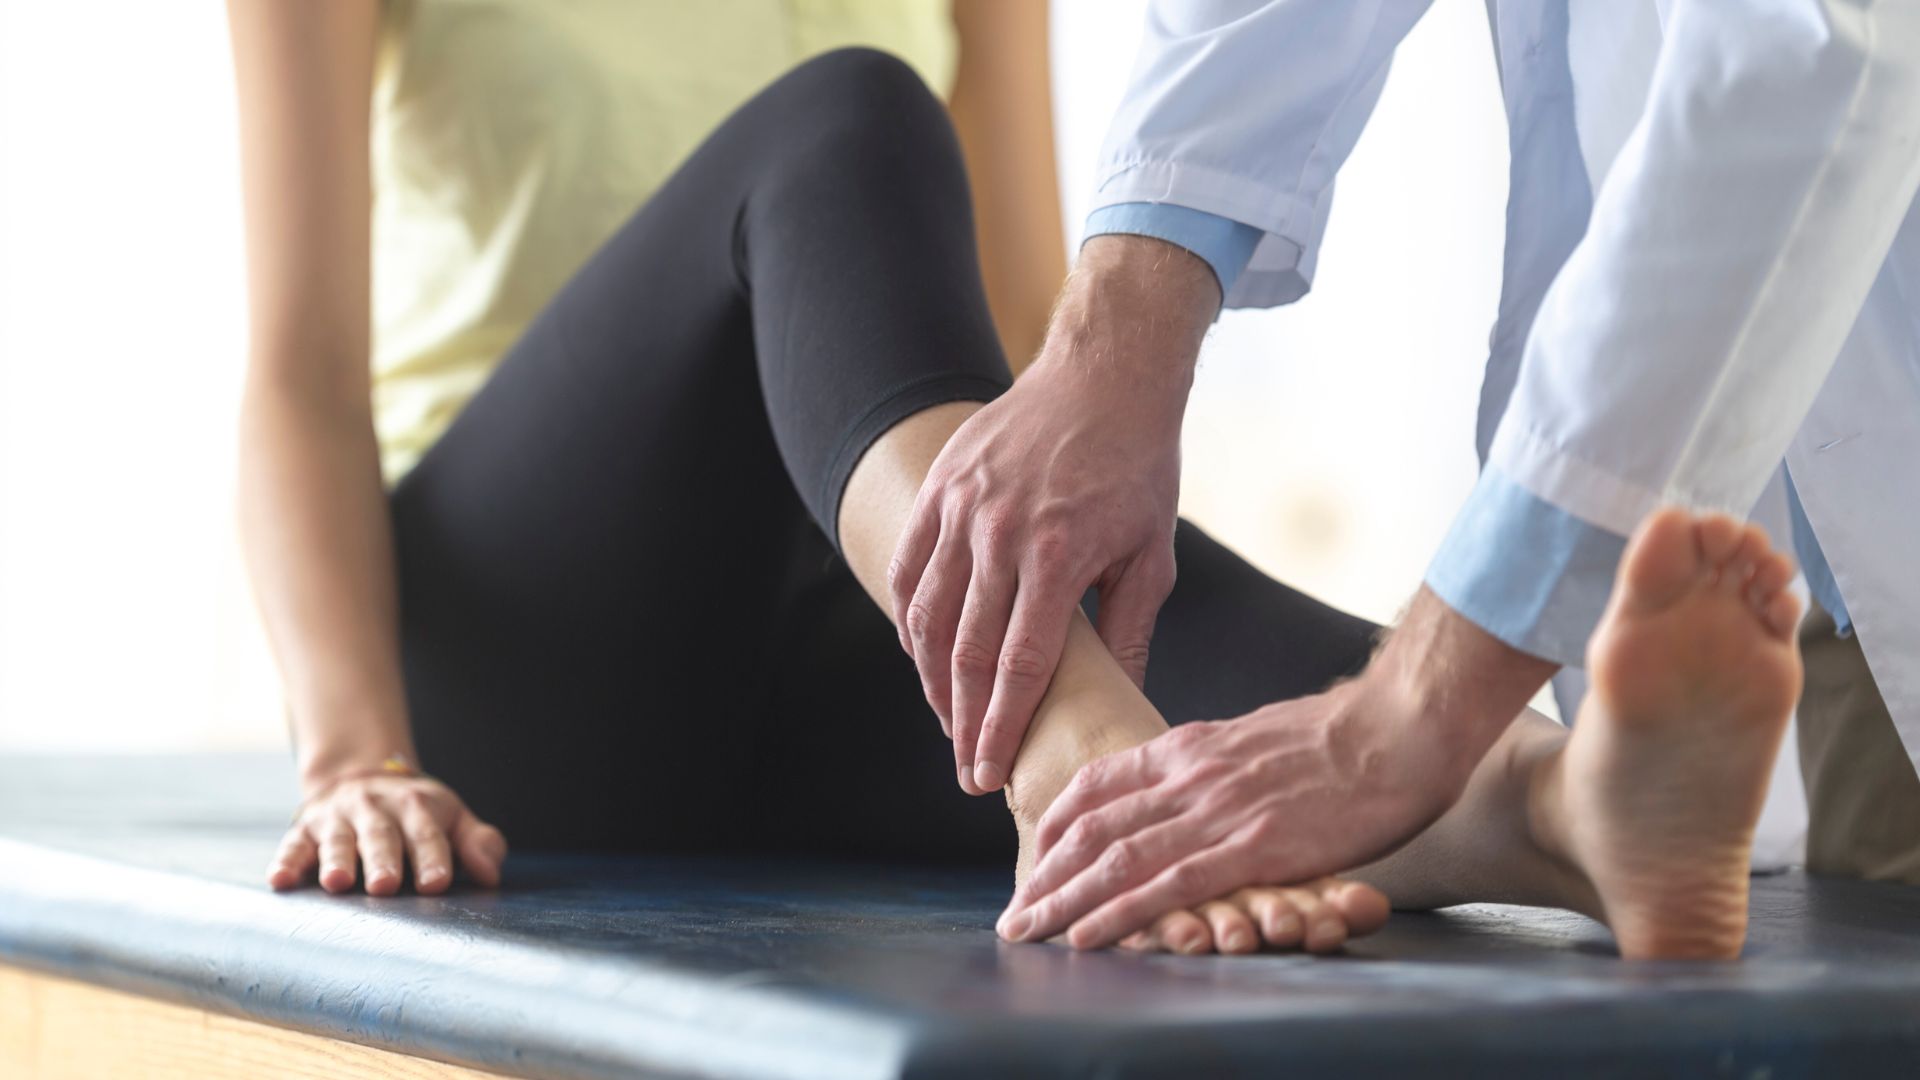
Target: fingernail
966 778
986 775
1020 927
1234 940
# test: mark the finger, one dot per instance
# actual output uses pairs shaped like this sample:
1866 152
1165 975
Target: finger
1098 783
932 618
381 850
481 848
427 848
1088 839
1280 923
339 862
976 653
1029 653
1181 932
1183 884
295 859
1124 866
1128 610
1232 929
910 557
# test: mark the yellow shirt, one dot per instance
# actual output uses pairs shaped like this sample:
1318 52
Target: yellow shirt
512 137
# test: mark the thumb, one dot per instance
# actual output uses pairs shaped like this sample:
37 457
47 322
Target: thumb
1128 609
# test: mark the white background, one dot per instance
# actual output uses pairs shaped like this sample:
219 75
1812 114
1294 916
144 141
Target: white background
1329 441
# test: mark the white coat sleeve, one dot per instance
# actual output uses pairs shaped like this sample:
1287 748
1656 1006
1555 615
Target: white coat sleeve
1731 248
1245 109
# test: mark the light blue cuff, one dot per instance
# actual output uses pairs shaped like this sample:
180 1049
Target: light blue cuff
1526 571
1223 243
1813 563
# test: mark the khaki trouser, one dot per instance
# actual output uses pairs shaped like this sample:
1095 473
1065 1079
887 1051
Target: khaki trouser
1863 798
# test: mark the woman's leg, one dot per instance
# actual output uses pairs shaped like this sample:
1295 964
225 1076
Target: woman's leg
596 559
622 626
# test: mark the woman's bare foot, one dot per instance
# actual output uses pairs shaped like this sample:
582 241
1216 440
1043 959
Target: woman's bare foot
1655 796
1092 710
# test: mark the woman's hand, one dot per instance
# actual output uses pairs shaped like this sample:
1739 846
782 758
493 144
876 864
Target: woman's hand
383 823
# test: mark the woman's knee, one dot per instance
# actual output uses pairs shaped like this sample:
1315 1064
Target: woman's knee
850 98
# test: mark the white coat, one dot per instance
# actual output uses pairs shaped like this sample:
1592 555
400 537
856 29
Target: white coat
1745 292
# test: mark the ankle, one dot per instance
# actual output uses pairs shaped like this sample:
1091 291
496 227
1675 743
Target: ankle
1067 735
1548 821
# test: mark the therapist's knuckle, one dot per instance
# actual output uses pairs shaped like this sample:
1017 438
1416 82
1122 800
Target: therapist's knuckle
1192 878
1093 774
920 622
1078 838
972 660
1051 544
1022 665
1120 864
998 530
1184 738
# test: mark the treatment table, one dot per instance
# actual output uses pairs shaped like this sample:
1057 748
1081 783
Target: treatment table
137 939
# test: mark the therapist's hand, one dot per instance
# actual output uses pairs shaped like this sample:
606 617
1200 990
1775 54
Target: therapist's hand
1069 481
1290 792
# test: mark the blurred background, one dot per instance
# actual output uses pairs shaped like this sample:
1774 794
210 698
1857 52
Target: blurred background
1329 441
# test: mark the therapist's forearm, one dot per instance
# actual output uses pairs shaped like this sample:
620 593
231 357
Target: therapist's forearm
1133 315
1440 671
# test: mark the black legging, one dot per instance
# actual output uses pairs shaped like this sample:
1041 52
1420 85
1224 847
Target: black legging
622 621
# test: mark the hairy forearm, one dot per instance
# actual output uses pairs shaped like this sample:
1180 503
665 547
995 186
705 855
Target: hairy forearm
1132 317
1458 686
318 545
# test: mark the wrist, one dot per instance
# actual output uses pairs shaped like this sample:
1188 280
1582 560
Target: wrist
1449 684
321 772
1133 316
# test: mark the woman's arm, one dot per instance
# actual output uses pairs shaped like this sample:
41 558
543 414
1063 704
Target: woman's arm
313 514
1003 110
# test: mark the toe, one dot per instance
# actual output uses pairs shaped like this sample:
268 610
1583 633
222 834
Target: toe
1750 548
1182 932
1662 560
1280 924
1232 930
1718 536
1364 908
1325 930
1782 614
1769 577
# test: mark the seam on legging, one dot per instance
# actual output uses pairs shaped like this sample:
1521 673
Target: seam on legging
879 419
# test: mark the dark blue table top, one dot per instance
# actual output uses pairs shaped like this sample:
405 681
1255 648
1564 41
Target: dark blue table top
144 874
